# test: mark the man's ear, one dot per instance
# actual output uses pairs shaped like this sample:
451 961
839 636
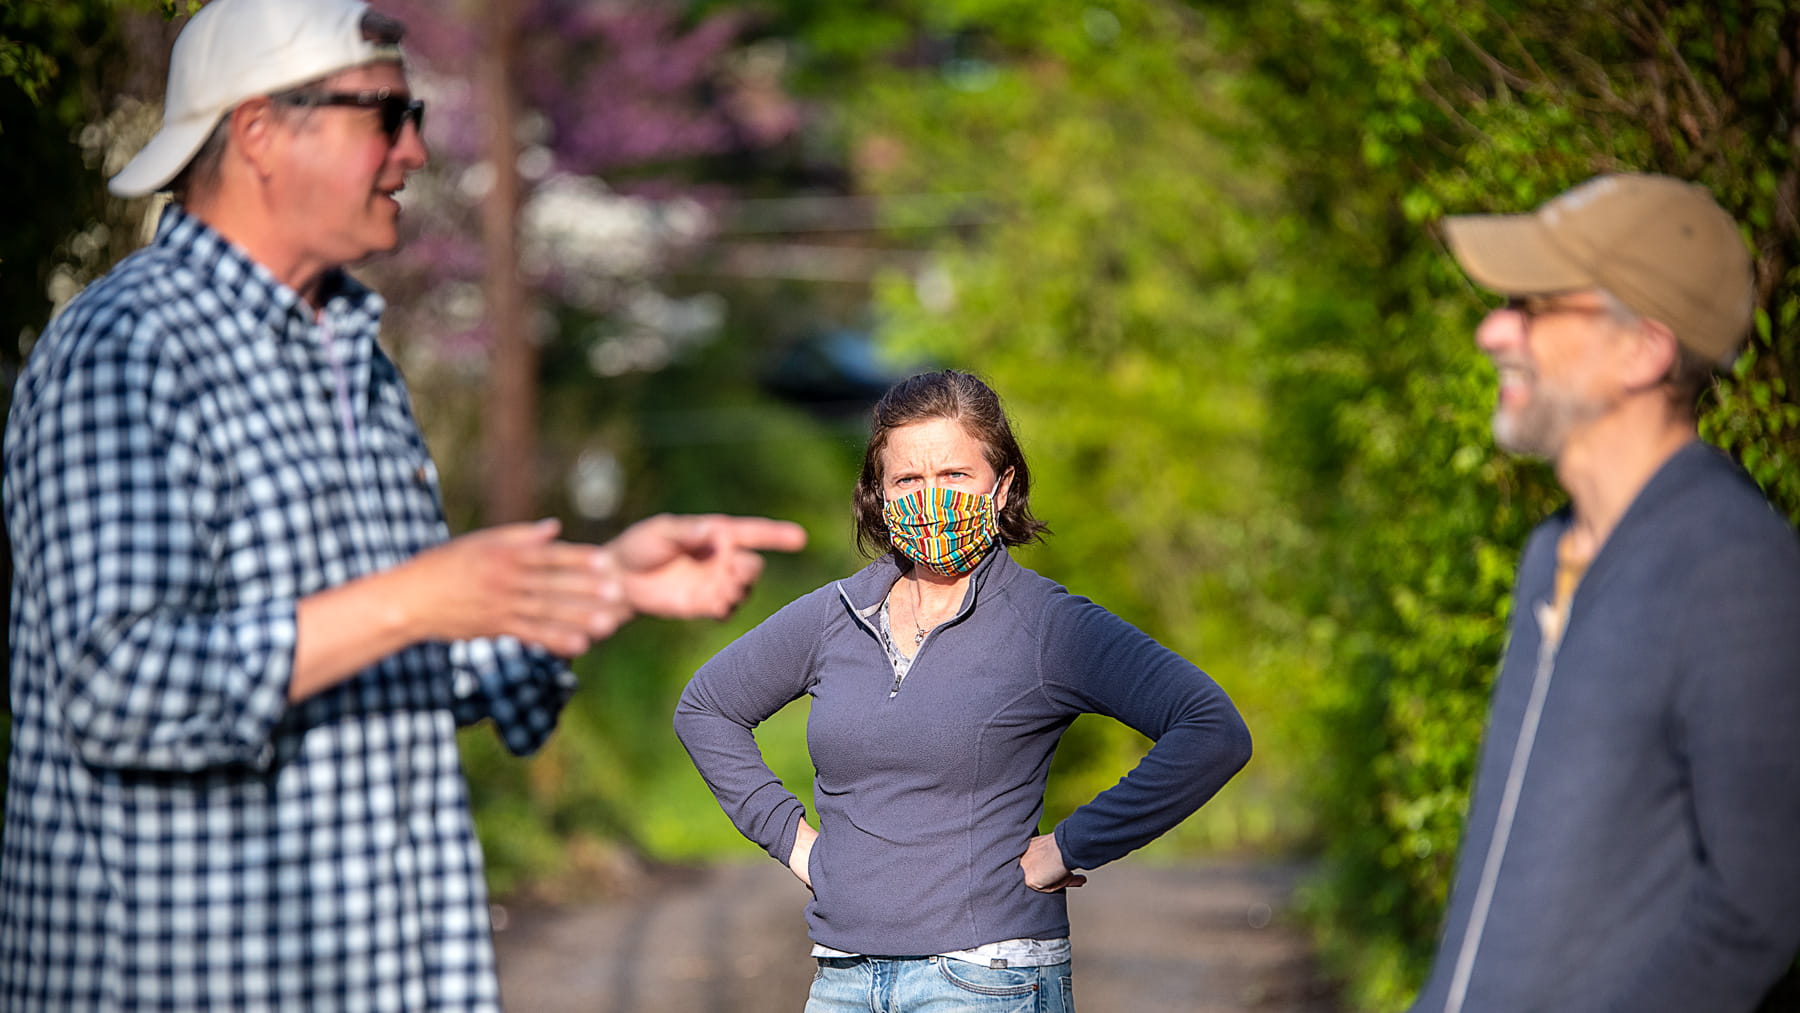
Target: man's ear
252 126
1652 356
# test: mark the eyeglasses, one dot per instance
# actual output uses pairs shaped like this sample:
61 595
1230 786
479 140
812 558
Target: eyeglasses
1534 307
395 109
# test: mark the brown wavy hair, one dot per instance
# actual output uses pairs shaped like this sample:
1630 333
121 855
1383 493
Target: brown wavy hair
962 398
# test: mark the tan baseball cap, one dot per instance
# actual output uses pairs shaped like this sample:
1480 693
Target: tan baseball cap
1663 246
233 50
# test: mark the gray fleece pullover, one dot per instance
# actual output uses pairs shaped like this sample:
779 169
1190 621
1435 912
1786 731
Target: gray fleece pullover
928 795
1653 863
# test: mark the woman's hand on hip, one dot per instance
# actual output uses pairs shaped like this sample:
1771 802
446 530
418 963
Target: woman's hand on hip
800 857
1044 868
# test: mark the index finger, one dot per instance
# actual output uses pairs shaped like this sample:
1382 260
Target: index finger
763 534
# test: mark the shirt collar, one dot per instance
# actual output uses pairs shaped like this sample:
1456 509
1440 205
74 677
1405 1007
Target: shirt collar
867 588
253 290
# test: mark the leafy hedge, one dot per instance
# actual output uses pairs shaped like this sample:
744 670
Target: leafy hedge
1399 113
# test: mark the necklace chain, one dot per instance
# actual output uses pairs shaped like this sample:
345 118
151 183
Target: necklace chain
918 614
918 617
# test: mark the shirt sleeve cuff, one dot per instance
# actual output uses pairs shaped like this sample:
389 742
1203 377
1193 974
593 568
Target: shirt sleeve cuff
523 689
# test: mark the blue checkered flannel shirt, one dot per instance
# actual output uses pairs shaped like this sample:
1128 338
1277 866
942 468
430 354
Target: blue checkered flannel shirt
180 469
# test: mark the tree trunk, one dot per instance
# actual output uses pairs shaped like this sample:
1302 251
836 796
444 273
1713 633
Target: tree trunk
511 439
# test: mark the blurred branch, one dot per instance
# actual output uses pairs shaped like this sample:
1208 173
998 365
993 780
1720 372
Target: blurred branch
1503 75
1654 39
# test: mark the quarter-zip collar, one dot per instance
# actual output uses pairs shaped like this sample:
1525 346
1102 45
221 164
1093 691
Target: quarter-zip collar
865 590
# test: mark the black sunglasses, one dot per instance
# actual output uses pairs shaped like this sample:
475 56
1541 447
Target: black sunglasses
395 109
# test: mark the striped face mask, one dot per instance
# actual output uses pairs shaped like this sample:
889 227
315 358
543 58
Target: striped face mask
945 529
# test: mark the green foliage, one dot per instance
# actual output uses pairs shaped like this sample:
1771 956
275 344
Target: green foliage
1214 297
27 66
1107 300
696 437
1442 107
50 52
40 44
60 65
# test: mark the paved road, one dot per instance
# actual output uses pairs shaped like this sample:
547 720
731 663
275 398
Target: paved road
1204 938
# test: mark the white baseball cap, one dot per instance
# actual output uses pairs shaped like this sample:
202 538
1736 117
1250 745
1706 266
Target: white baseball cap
233 50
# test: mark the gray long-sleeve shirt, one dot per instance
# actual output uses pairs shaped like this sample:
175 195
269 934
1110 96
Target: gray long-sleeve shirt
1653 863
928 795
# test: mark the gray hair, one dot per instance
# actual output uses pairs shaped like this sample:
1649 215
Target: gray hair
1690 375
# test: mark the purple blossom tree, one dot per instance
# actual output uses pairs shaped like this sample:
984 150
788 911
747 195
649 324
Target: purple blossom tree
582 192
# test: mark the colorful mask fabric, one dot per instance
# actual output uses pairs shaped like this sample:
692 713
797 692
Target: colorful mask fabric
945 529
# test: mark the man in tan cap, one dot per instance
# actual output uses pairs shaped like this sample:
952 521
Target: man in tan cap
243 643
1631 842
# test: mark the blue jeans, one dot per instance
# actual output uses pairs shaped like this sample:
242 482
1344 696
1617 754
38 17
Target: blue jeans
936 985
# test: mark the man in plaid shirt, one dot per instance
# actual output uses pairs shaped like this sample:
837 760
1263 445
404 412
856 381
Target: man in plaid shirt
242 642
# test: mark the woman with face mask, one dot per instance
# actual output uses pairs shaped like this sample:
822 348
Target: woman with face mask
942 676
